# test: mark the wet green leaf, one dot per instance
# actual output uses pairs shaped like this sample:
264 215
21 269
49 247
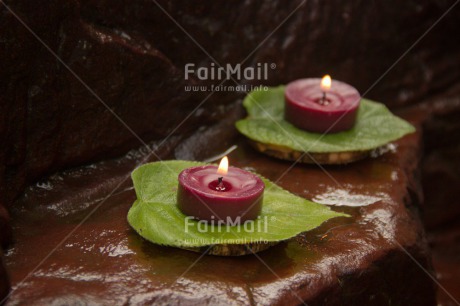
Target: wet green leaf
156 216
375 126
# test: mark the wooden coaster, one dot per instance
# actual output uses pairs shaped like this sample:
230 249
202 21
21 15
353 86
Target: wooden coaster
334 158
233 249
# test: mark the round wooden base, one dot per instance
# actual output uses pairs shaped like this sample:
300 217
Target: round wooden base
334 158
233 249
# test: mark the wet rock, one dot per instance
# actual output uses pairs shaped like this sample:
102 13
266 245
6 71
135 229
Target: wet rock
5 239
441 166
132 55
445 244
4 281
365 259
5 229
51 120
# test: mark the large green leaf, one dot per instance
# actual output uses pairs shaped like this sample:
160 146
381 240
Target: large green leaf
375 126
156 217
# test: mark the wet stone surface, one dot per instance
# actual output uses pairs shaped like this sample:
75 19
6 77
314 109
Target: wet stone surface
133 56
356 260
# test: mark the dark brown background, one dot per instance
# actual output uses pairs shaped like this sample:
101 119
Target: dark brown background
133 55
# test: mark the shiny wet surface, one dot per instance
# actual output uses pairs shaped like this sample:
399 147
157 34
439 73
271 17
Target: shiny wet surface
345 260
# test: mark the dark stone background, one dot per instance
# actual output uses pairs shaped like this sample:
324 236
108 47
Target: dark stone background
133 55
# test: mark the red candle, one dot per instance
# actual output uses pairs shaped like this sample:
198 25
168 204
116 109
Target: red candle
321 106
211 193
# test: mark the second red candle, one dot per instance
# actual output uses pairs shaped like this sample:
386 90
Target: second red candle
310 107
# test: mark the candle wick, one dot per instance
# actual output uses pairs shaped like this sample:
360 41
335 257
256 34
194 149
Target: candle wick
220 184
323 100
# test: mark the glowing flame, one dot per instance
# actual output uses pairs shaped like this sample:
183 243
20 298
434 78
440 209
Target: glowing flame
326 82
223 166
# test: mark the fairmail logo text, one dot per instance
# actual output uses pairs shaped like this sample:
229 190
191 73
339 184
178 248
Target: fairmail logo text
228 72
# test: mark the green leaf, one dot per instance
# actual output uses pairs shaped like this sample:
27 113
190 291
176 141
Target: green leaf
375 126
156 216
